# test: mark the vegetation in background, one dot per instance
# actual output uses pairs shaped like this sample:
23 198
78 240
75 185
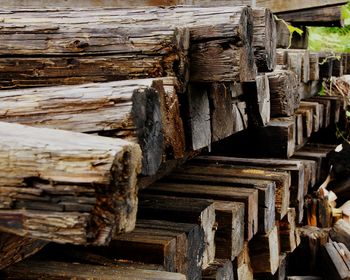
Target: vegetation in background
335 39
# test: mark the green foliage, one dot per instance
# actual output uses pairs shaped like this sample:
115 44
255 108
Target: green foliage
335 39
345 14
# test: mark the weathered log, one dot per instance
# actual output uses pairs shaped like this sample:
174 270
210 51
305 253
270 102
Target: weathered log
66 186
220 269
178 247
335 257
315 113
264 39
227 113
275 140
340 232
14 248
318 16
308 120
264 252
244 269
31 270
312 238
289 237
283 34
184 210
143 111
206 173
300 140
216 169
283 94
119 3
296 169
257 97
314 66
228 46
281 272
326 109
55 53
217 192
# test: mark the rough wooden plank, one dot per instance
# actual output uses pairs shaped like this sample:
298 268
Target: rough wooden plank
289 238
118 3
337 260
264 252
264 39
280 273
295 167
257 97
283 34
220 269
228 45
340 232
326 109
14 248
283 96
63 186
206 173
243 266
316 113
319 16
275 140
184 210
217 192
314 66
31 270
144 111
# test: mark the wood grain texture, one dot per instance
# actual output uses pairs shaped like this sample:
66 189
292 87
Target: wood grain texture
14 248
67 186
144 111
31 270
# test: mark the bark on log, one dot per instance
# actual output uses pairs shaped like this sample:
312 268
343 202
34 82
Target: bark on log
32 270
14 248
143 111
184 210
283 94
66 186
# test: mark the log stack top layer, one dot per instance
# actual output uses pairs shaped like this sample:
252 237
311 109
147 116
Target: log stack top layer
217 33
65 186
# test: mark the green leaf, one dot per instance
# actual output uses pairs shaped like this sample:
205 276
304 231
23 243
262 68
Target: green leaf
293 29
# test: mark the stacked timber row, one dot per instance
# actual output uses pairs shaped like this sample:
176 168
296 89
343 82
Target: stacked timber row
124 91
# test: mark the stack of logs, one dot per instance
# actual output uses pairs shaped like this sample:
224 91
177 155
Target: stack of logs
96 105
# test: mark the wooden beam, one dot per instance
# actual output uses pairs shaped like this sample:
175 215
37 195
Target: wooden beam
63 186
31 270
320 16
219 269
293 5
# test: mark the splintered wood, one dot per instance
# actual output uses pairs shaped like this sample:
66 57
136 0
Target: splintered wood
143 111
66 186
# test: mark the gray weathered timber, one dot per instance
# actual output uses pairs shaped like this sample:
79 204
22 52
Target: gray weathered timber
220 269
228 45
184 210
66 186
144 111
264 39
53 52
206 173
31 270
284 98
